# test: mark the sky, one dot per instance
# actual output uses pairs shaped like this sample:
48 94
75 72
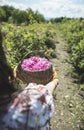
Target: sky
50 8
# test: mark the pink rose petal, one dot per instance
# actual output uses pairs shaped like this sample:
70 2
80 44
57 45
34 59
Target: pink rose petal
35 63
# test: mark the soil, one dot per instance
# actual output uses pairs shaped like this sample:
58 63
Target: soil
66 96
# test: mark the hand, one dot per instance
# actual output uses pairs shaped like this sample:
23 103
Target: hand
15 73
54 74
55 78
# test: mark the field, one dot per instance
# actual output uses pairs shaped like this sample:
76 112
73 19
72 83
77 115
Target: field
63 43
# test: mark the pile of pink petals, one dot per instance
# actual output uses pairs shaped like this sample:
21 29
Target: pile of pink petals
35 64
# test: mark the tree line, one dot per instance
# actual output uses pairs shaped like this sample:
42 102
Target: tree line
16 16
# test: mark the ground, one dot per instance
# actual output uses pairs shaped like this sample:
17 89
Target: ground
66 97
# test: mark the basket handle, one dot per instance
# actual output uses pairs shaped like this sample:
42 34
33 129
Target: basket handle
40 52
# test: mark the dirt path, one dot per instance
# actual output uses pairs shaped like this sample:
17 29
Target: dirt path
67 114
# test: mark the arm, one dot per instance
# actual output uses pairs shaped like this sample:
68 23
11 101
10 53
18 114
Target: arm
52 85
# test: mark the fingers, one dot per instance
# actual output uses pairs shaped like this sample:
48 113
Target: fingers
15 72
54 74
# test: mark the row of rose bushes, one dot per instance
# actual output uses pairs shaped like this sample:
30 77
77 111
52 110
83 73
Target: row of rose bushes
20 40
73 32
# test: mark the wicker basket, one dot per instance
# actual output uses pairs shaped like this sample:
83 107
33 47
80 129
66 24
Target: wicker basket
39 77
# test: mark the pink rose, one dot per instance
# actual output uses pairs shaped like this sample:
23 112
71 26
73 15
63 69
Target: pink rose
35 63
